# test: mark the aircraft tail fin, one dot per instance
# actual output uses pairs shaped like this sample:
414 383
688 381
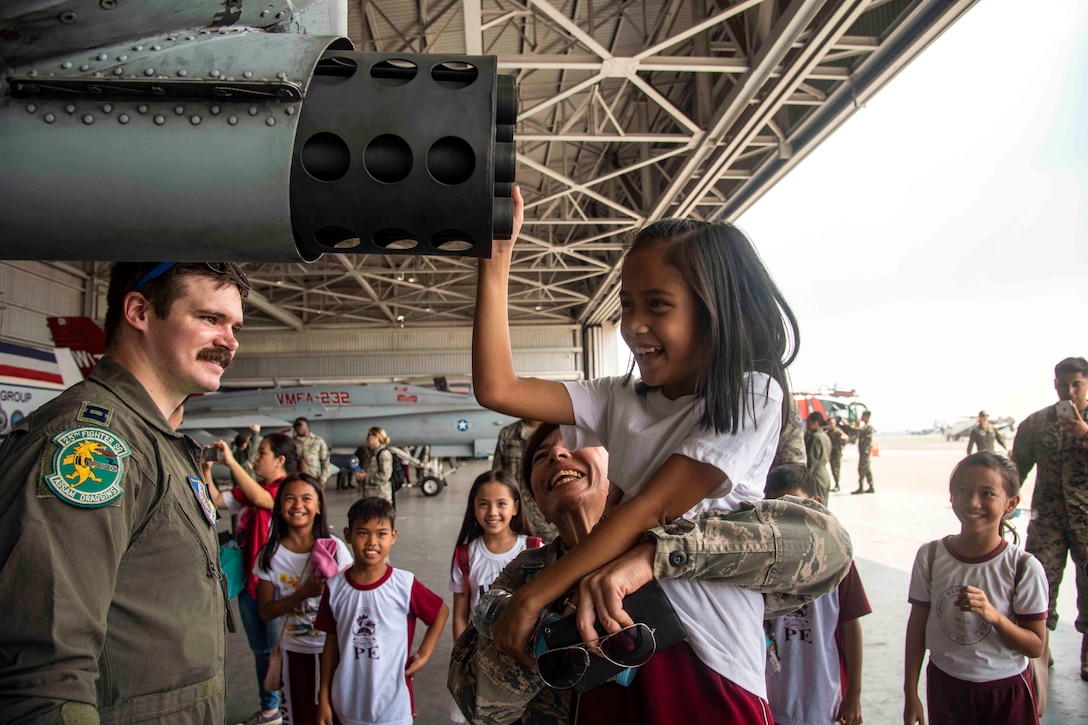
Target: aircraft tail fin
82 337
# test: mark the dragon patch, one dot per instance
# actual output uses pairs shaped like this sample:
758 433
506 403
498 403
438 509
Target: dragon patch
88 466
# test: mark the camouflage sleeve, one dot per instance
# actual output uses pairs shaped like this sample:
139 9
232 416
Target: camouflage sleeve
323 456
791 441
789 547
1023 446
497 461
492 688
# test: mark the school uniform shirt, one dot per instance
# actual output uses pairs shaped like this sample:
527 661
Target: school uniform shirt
963 644
483 567
809 687
374 625
287 571
724 621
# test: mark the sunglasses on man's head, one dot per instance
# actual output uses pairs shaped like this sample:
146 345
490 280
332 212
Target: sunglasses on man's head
563 667
217 267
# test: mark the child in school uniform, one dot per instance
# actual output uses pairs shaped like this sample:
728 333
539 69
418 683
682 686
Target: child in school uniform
979 605
818 646
369 611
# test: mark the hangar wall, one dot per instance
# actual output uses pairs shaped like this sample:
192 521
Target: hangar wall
382 355
33 291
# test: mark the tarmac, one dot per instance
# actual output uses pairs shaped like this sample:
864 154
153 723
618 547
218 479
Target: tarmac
910 507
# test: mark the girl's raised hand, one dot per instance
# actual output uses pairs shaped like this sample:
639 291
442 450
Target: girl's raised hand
228 455
973 599
505 246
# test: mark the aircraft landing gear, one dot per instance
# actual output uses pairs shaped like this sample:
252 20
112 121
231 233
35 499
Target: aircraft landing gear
431 486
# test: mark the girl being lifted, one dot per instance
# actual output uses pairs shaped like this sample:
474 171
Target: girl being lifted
712 337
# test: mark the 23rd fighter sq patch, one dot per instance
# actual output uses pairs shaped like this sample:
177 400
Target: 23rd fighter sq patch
88 466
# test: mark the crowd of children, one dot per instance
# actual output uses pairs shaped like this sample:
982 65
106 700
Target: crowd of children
712 338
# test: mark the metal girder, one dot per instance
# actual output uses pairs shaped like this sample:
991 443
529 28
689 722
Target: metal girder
629 112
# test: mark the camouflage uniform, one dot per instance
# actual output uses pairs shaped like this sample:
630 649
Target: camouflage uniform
818 449
791 441
315 452
838 439
1059 506
378 465
773 546
115 613
508 455
984 440
865 453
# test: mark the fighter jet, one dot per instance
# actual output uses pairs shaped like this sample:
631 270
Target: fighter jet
454 425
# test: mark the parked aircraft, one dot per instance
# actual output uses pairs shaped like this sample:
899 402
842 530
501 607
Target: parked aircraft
30 377
454 425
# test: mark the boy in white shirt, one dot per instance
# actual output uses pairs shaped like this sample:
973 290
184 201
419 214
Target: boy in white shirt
370 611
819 645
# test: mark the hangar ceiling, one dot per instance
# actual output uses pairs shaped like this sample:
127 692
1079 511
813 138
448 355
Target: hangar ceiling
630 111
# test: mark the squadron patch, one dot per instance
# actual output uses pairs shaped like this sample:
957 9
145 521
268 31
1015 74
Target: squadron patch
88 466
202 498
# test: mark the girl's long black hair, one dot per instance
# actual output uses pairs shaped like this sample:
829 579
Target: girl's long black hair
279 524
470 527
745 321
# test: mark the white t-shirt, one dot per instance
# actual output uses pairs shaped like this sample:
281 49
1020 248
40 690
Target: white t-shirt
374 625
287 571
963 644
483 568
724 622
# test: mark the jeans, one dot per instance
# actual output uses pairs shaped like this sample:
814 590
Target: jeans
262 637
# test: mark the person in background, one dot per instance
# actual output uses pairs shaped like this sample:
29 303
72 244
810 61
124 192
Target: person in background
978 604
983 436
819 647
244 451
108 550
838 439
1056 445
291 584
312 451
817 451
865 454
377 461
508 452
369 612
252 499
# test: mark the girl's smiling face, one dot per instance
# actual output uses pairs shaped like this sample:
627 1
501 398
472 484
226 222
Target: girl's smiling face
494 507
660 322
980 501
300 504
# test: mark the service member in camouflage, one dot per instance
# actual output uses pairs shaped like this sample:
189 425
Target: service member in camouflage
818 453
312 449
110 575
838 439
983 436
1057 447
775 546
865 454
508 452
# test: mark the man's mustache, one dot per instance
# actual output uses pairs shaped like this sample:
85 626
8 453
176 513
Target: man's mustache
217 355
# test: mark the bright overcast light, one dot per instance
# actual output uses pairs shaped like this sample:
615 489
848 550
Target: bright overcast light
935 247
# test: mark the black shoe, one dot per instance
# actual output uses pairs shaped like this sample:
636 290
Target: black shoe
870 490
860 490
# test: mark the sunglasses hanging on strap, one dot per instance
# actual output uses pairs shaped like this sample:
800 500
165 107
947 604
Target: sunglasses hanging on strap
564 661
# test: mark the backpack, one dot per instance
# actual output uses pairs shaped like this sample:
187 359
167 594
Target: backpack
460 555
397 477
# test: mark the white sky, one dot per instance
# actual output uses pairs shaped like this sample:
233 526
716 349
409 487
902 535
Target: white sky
935 247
